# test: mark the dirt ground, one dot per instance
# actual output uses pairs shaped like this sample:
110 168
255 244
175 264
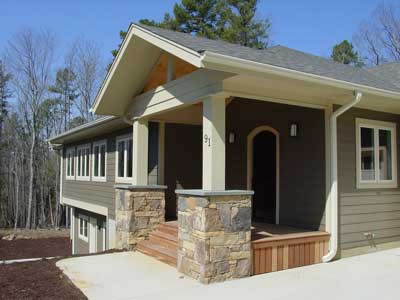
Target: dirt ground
34 233
36 280
34 248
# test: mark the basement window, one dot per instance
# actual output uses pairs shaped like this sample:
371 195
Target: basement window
70 164
124 159
99 161
83 162
83 228
376 154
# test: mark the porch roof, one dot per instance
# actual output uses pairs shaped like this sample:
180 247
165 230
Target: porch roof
143 45
279 56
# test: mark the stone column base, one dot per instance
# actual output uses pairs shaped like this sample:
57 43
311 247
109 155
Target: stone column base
138 209
214 242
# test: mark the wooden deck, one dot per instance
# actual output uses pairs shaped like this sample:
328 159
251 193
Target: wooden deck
276 247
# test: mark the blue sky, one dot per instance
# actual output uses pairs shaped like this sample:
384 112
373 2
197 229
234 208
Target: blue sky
312 26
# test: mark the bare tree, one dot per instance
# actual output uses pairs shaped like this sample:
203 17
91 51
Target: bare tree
30 58
89 69
378 39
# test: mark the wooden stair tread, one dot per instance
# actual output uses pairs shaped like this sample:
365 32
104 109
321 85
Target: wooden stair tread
164 235
158 248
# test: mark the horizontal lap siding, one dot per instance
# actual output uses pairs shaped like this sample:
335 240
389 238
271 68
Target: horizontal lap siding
103 193
369 210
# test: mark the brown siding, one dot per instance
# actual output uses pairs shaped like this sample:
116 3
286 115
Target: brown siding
102 193
302 159
183 161
368 210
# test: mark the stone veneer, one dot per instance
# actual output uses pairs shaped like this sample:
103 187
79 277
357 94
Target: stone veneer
214 239
138 209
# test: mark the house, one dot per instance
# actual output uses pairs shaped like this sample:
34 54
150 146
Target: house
227 161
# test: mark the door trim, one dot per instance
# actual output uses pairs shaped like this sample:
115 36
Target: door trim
93 235
250 139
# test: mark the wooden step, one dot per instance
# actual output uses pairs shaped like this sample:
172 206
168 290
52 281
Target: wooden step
169 228
158 251
164 239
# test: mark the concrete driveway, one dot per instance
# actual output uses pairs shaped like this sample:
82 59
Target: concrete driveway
132 275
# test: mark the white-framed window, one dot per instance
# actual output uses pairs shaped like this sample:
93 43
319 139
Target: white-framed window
70 164
124 159
83 162
99 161
376 154
83 227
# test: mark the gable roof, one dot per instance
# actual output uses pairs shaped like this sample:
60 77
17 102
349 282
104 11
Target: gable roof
389 72
278 56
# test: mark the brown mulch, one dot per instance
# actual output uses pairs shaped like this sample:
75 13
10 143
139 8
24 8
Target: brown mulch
36 280
47 247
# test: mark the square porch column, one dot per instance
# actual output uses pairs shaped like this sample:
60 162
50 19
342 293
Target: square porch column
140 152
214 143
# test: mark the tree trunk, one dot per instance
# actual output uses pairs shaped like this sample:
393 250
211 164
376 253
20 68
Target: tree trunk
31 174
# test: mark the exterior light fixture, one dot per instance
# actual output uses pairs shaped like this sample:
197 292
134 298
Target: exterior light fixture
294 129
232 137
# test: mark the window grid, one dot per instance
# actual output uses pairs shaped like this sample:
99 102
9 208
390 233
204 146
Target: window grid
83 162
124 159
99 161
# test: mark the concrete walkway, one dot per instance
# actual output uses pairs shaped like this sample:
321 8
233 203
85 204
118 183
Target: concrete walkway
132 275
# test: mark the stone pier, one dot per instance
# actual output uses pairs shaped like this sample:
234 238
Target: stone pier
214 234
138 209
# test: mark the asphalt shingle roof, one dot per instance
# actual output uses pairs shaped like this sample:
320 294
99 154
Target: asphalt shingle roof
280 56
388 72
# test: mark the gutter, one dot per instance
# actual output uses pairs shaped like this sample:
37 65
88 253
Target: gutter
334 178
225 63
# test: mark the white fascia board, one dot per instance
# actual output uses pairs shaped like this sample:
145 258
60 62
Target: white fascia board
212 60
191 56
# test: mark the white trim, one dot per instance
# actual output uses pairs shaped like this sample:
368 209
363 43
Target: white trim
93 235
101 210
73 229
126 138
104 227
62 161
328 161
83 162
376 126
82 236
250 139
70 161
227 63
94 177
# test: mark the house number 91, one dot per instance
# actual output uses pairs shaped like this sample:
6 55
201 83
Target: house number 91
207 140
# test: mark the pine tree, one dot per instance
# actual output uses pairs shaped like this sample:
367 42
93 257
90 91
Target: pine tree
344 53
66 90
5 93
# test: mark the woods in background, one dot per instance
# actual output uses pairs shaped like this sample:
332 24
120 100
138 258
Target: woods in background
37 101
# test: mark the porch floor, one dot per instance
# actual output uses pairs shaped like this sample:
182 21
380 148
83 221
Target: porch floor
261 231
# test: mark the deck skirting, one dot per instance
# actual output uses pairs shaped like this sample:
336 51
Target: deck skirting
288 251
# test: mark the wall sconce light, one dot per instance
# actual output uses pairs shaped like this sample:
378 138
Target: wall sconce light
294 129
232 137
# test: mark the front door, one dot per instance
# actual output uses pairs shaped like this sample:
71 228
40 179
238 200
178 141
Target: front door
264 177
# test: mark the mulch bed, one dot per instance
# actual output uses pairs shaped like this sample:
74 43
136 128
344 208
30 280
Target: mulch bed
34 248
36 280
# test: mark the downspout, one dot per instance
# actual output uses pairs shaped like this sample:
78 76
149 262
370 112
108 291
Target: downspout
334 177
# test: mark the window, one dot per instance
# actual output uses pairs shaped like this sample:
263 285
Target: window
124 159
376 154
82 162
99 162
70 164
83 228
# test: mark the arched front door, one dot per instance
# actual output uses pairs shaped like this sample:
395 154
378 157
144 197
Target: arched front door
263 169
